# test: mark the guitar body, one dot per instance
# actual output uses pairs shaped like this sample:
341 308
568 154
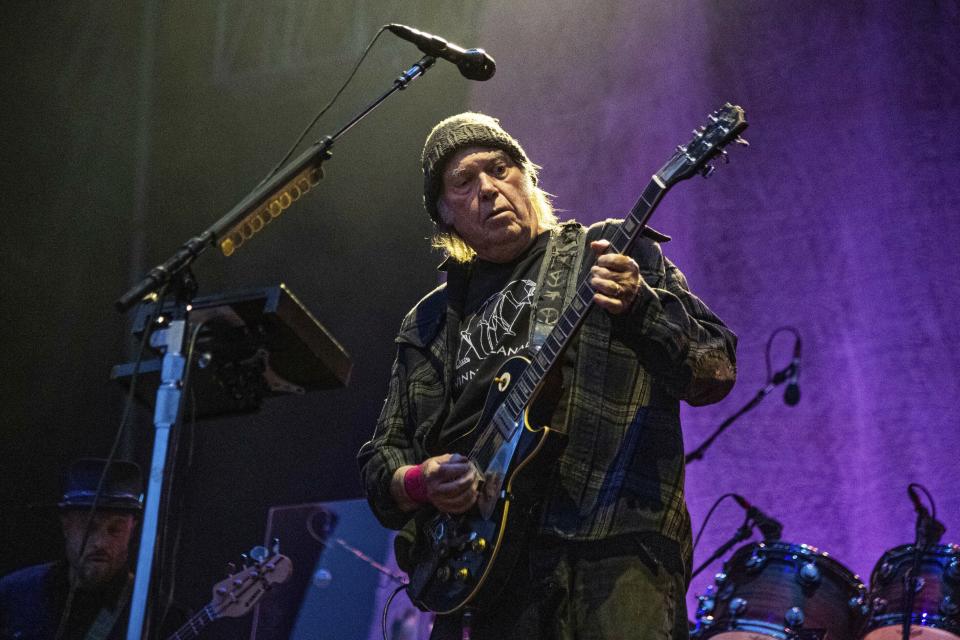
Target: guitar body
460 557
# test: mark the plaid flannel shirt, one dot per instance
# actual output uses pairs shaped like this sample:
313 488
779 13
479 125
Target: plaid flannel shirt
622 471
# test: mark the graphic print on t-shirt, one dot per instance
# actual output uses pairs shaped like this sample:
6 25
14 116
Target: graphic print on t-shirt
494 328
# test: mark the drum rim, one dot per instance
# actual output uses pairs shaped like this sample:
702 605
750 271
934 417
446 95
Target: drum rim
948 549
744 625
933 621
852 579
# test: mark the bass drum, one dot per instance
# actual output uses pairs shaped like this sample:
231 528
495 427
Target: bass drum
782 590
936 605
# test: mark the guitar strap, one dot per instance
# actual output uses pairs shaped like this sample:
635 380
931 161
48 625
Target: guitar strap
557 280
107 617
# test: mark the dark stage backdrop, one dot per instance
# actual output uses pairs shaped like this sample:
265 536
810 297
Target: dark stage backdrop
129 127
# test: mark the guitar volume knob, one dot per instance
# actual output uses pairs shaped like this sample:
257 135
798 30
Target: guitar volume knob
479 545
463 574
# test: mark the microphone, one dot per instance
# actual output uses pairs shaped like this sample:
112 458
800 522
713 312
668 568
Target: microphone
474 64
929 529
791 395
771 529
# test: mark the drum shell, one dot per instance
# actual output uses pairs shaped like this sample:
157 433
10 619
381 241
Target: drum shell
939 588
772 579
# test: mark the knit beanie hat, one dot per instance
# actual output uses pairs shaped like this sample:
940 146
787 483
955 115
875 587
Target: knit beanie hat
468 129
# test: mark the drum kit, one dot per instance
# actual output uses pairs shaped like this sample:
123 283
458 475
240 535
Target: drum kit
788 591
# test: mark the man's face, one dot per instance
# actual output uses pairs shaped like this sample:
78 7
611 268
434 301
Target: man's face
486 199
106 552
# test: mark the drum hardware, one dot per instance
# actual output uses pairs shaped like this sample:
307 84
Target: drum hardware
928 533
789 375
794 617
935 612
783 591
809 574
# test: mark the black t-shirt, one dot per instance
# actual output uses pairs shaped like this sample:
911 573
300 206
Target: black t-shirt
494 328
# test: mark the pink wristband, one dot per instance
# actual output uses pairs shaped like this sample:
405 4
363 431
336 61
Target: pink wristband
415 485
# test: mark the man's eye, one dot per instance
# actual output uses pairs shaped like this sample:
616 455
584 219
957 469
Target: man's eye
500 170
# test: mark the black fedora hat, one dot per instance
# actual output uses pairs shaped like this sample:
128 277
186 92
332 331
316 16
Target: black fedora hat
122 488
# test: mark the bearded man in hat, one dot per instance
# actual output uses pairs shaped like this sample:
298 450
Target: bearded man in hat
608 553
86 594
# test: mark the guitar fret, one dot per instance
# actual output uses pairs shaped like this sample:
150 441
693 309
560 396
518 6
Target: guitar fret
620 240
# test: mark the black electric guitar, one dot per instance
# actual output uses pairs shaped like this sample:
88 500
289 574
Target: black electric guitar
235 595
462 559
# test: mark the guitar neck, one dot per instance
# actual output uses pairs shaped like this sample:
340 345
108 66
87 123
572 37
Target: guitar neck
196 624
582 301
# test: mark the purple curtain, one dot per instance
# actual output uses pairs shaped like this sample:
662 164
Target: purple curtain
841 219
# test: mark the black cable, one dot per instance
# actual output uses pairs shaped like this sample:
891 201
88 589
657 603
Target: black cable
777 331
933 505
128 406
326 108
386 609
707 519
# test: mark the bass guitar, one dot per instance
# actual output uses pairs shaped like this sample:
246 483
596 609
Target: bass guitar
235 595
465 559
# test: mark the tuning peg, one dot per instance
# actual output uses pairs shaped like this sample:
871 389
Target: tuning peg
231 568
741 141
708 170
725 156
245 560
275 546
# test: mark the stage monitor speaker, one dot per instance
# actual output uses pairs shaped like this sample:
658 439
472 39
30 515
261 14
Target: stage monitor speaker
343 573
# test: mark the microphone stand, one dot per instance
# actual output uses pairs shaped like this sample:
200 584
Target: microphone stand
778 378
744 532
928 532
241 222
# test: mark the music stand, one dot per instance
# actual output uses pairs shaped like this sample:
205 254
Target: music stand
254 344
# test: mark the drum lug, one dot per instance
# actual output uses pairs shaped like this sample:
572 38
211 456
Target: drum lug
738 606
756 561
949 606
809 574
879 605
953 570
859 602
886 570
705 605
794 617
921 583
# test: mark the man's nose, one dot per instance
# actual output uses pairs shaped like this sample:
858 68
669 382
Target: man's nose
488 188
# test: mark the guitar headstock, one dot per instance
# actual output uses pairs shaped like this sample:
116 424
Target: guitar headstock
235 595
724 126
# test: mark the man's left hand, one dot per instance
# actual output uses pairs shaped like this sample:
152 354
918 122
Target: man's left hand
615 279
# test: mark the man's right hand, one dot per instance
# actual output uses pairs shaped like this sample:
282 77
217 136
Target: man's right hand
451 480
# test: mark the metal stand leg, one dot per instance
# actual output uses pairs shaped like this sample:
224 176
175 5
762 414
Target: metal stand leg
165 417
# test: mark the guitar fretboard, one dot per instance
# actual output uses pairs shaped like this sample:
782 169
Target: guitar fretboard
572 317
196 624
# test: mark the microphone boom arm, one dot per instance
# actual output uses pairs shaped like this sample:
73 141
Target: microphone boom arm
778 378
267 201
